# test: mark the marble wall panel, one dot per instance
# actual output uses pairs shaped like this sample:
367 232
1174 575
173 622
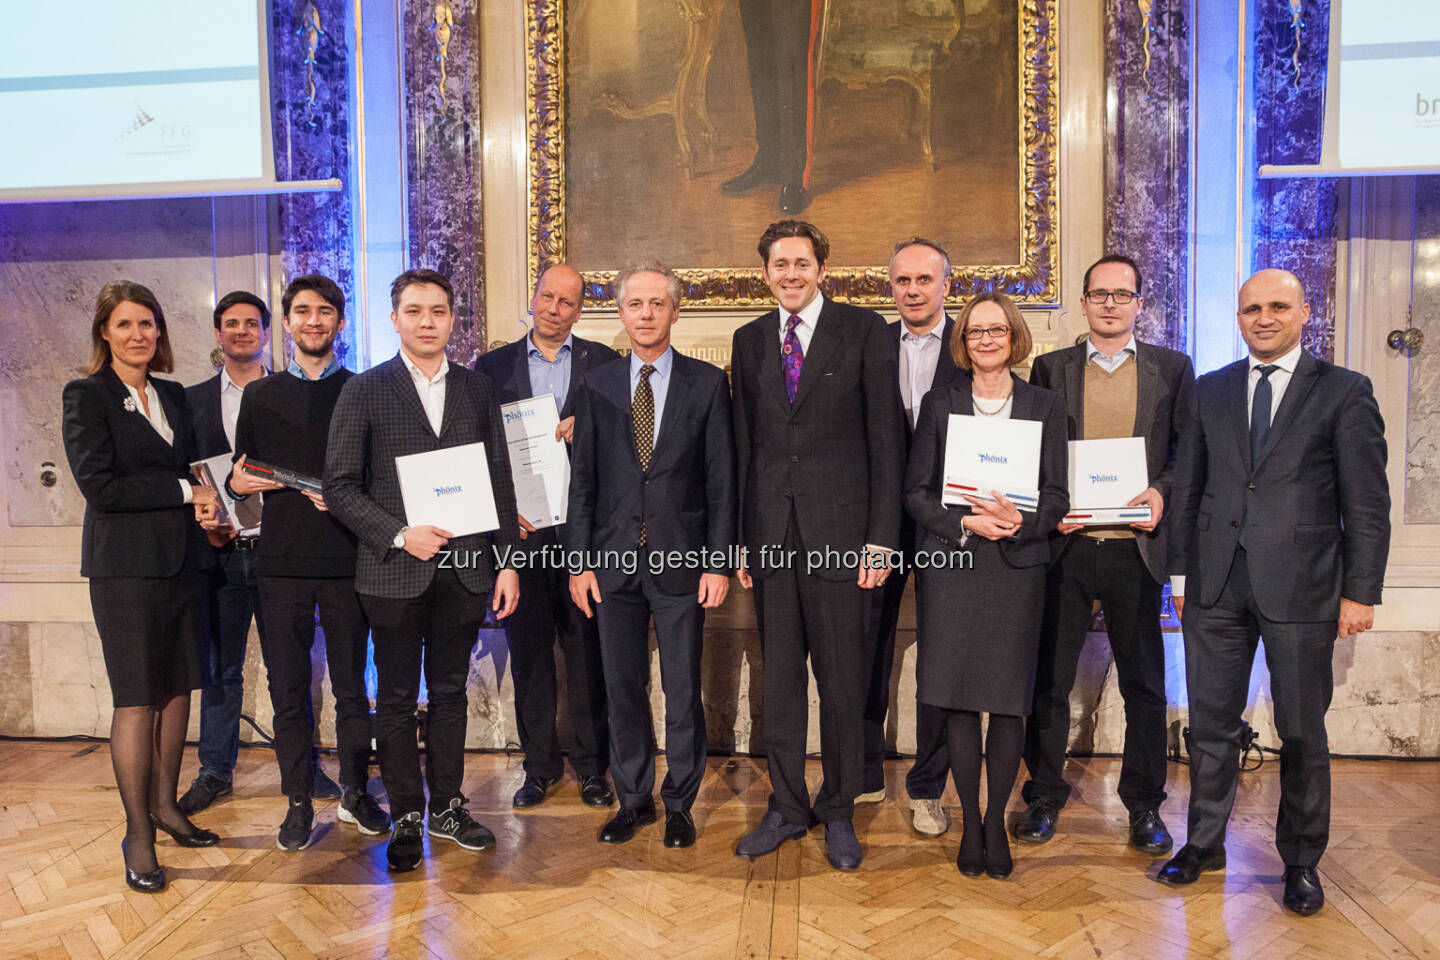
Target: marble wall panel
17 700
443 157
1293 221
1147 132
1422 433
54 258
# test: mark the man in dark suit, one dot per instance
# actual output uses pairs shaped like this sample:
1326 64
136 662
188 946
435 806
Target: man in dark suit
652 519
780 48
423 591
1114 386
242 329
1281 511
919 280
551 360
818 438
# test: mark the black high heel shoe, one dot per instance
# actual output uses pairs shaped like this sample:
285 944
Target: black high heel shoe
971 863
149 881
195 838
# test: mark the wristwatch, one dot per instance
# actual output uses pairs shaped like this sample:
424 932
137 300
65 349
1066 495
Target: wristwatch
399 542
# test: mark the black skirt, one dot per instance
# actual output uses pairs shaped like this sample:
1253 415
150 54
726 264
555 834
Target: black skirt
978 636
148 632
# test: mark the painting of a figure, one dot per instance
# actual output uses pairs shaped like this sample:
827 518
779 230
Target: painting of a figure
688 125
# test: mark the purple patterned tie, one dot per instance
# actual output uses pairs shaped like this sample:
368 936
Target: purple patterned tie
792 355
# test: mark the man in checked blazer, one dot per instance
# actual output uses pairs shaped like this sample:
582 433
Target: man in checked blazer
423 592
652 511
819 437
550 359
1282 529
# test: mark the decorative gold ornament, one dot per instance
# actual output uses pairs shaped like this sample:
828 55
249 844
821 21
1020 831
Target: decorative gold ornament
1033 280
1145 6
311 28
443 26
1295 6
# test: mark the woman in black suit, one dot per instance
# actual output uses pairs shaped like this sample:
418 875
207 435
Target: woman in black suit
979 627
127 438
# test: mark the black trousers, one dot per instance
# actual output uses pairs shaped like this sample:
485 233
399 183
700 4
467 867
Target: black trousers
777 48
437 629
624 617
289 605
1219 653
545 615
926 779
1113 572
804 616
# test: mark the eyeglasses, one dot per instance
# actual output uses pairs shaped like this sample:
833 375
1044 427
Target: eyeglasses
1121 297
976 334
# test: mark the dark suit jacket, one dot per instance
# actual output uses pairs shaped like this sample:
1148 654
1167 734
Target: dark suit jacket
379 417
835 455
1165 389
206 425
137 523
686 499
509 368
945 369
925 482
1315 508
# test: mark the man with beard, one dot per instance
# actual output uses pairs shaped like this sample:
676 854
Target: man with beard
307 561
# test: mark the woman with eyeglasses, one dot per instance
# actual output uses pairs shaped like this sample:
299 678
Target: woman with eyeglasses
979 622
128 441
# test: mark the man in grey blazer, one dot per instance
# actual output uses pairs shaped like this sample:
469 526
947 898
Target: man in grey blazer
1282 528
423 591
1114 386
552 360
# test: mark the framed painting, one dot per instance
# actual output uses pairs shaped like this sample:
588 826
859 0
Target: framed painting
678 129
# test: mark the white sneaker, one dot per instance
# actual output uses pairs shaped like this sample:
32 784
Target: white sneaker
874 796
929 817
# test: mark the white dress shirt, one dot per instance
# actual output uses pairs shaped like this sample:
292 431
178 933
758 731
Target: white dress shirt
1107 363
805 329
919 356
230 394
431 390
156 418
659 384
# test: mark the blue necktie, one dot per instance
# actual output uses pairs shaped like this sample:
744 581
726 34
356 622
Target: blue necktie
1260 413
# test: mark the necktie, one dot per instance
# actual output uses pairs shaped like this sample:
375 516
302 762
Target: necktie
642 409
1260 413
792 355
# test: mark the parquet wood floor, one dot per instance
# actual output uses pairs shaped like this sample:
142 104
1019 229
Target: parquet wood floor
551 891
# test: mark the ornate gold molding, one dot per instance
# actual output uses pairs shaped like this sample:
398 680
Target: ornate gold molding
1034 280
443 26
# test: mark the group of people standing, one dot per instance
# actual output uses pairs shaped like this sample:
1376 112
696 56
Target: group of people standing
1267 492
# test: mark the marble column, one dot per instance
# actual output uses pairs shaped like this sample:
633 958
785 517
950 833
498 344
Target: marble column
1293 221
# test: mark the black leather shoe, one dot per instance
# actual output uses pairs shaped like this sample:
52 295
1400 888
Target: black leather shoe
193 837
204 790
1186 866
1037 823
793 198
622 828
406 847
1148 833
757 175
1303 893
150 881
842 847
596 792
774 830
532 792
998 863
970 861
679 829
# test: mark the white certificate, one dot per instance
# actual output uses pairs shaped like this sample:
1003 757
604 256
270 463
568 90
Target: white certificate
449 489
1104 476
984 454
538 462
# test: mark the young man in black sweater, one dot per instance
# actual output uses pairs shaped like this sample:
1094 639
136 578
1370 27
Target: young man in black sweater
307 560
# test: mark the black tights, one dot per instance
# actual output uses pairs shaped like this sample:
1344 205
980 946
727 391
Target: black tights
146 744
1003 742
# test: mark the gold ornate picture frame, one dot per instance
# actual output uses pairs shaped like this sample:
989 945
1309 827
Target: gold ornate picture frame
1032 280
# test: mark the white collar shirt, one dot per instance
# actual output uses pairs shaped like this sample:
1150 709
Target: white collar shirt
1279 380
805 329
1107 363
430 389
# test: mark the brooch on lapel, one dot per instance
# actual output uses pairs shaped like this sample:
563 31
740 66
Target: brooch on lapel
129 405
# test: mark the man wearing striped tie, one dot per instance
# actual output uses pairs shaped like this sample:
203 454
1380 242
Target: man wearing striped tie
651 523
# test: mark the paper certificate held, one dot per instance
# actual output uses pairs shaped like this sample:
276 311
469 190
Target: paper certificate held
1104 476
449 489
539 463
241 514
983 454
